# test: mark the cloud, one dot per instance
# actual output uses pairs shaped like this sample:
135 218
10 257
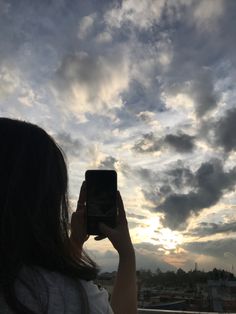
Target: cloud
209 183
217 248
149 257
9 81
192 79
192 71
104 37
210 228
225 130
181 177
207 13
131 215
133 224
181 72
140 97
141 15
182 143
117 71
148 143
4 7
92 83
146 254
108 163
69 145
203 92
85 25
147 175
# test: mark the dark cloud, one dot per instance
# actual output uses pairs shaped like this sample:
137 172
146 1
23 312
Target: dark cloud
145 116
182 143
131 215
82 68
204 93
148 256
194 65
187 69
108 163
218 248
147 246
181 177
146 175
209 183
225 131
178 208
69 145
140 97
31 32
210 228
165 189
148 143
161 184
193 81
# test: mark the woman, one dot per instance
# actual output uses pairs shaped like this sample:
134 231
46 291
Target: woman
43 269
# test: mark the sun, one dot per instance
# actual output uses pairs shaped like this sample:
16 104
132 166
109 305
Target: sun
168 238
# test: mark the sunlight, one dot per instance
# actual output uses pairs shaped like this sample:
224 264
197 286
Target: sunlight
147 231
152 232
169 239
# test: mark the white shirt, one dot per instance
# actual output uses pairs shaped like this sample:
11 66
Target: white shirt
58 294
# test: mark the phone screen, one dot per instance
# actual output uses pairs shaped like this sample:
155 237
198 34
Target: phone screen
101 189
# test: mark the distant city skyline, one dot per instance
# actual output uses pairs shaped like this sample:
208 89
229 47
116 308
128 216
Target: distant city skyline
143 87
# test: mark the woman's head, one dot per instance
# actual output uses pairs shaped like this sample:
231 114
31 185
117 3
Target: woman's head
34 204
33 193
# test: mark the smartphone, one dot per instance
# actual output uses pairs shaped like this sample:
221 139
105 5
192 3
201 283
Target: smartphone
101 191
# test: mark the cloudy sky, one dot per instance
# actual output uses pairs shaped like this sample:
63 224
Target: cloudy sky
143 87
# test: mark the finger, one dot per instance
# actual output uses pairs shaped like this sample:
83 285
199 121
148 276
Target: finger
100 237
81 208
105 230
121 210
82 195
79 215
86 238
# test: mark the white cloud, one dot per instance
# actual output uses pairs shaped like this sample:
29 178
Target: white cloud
86 25
142 13
104 37
92 85
28 97
179 101
207 13
9 81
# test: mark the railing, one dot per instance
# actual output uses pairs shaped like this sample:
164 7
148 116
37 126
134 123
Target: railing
151 311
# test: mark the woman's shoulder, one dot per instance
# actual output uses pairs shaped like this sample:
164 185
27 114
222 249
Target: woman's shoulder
56 291
98 298
49 291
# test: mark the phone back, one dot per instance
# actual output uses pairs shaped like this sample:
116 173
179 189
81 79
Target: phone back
101 191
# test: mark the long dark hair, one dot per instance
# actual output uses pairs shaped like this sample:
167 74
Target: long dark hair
34 209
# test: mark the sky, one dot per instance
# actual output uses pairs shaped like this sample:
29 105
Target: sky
146 88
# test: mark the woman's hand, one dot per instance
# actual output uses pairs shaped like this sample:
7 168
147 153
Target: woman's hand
78 221
119 236
124 295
